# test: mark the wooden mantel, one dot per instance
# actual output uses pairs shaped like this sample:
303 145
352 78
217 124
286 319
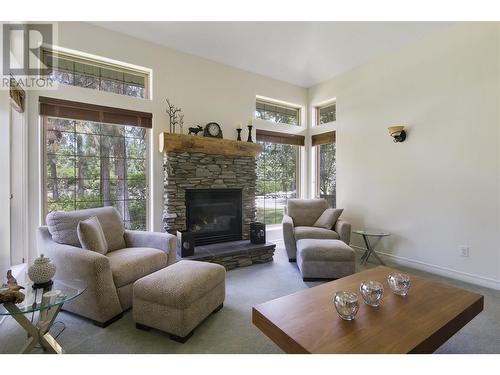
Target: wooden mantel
215 146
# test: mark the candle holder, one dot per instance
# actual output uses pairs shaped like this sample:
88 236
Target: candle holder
346 304
399 283
250 133
239 134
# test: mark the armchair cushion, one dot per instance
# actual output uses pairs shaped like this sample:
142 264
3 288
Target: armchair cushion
315 233
162 241
130 264
305 212
91 235
328 218
63 226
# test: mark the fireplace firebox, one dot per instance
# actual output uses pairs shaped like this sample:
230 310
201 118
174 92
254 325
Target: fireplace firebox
214 215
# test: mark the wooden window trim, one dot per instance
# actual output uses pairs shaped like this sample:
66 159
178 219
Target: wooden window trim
282 138
91 112
323 138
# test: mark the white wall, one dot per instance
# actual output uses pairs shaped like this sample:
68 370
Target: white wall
206 91
4 184
440 188
18 187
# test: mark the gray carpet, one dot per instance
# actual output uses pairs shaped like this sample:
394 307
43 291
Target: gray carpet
231 330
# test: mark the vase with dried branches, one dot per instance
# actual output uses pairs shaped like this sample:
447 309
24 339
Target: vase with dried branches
174 115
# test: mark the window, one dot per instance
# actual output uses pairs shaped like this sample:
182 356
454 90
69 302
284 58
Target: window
73 70
326 166
277 113
326 114
93 164
277 171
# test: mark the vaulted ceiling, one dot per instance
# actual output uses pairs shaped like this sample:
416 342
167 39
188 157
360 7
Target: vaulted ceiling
302 53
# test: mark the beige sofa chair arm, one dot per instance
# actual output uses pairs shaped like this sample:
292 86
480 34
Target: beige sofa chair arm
289 238
162 241
100 301
343 228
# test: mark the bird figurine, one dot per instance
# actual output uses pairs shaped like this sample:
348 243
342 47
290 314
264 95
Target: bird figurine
10 292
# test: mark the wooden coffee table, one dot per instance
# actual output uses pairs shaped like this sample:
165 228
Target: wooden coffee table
306 321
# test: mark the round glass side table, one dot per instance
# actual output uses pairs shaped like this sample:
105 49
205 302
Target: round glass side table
48 308
370 246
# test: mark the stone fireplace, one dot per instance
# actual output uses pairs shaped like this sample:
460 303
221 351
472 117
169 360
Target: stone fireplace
208 166
209 189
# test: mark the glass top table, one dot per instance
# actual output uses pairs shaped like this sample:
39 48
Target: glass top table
370 247
47 302
68 290
371 233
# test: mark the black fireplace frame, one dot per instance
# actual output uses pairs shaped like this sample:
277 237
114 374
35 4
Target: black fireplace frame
217 237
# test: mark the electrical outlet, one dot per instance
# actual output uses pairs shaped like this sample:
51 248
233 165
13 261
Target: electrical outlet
465 251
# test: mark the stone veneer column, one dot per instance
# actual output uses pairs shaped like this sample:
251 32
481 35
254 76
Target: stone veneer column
203 171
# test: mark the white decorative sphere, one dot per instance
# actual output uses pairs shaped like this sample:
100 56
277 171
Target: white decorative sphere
42 271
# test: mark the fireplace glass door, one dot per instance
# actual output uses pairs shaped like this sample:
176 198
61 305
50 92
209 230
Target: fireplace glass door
214 215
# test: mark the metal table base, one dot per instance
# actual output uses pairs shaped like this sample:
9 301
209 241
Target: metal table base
37 333
370 249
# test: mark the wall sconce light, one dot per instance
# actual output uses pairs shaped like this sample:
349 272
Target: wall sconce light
398 133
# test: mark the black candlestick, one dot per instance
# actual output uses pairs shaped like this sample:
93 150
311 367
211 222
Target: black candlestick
250 133
239 134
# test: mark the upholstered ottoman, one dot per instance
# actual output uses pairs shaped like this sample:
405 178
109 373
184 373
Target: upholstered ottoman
178 298
324 259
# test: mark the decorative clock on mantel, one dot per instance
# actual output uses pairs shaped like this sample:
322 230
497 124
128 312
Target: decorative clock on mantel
212 129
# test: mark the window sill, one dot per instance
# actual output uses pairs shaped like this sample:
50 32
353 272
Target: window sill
325 124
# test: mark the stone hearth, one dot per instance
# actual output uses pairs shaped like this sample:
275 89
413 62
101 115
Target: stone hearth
198 170
234 254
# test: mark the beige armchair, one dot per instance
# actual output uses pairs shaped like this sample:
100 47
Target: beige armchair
300 215
109 278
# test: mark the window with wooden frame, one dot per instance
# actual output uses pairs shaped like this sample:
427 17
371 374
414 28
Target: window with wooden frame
326 113
73 70
95 156
277 174
278 113
326 166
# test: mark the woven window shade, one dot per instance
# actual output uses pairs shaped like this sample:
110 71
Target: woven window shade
133 79
112 75
60 63
282 138
323 138
86 69
91 112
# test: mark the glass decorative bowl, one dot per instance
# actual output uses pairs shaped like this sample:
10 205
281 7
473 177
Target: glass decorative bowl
346 304
399 283
372 292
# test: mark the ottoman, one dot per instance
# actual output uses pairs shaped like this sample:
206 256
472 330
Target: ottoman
324 259
178 298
